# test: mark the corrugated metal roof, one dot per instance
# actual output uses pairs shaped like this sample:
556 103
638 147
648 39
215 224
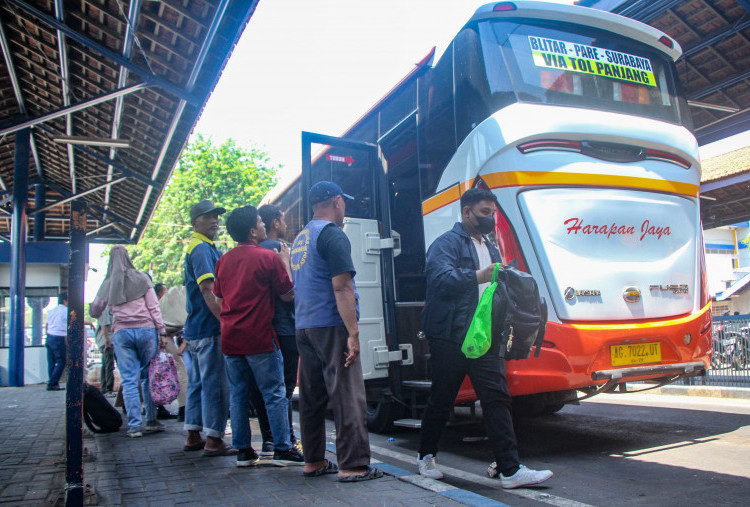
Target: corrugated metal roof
144 68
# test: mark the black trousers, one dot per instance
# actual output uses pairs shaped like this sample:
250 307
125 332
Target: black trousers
487 373
323 379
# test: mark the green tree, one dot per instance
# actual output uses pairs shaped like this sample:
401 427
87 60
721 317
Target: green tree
228 175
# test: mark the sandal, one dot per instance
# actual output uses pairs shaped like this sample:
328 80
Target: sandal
227 450
194 447
371 473
329 468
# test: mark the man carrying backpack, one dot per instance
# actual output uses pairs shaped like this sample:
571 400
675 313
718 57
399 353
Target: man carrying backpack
459 267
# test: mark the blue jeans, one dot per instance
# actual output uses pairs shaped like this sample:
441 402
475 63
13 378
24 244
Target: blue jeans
267 370
207 398
55 358
135 348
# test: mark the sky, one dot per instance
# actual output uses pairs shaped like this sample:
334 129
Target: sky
316 66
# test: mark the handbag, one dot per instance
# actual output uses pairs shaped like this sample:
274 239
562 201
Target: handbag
479 336
163 380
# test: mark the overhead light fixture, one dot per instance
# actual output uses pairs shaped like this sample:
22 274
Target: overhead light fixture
92 141
715 107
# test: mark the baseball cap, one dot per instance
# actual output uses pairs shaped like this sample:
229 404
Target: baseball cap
204 207
324 190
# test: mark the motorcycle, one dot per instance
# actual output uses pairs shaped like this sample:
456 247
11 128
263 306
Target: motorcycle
741 354
724 345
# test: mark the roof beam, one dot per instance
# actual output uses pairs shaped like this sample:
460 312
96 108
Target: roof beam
105 212
62 50
745 4
725 182
720 86
731 30
145 74
646 10
200 59
10 65
72 109
127 49
123 169
76 196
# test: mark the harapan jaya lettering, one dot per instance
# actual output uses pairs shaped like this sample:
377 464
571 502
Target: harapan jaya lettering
577 226
562 55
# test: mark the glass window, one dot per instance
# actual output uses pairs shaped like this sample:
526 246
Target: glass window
572 65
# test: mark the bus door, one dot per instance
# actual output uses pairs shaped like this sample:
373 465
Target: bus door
356 168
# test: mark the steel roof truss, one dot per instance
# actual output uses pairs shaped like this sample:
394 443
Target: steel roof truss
145 74
73 108
76 196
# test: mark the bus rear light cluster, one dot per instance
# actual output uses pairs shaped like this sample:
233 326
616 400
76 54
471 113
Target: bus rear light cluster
507 242
504 7
667 157
604 151
666 41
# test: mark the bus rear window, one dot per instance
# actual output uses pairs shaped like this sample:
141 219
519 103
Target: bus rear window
584 67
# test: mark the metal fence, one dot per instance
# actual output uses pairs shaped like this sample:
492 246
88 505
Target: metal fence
730 365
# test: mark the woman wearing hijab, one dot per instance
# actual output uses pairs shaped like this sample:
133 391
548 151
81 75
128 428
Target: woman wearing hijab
132 301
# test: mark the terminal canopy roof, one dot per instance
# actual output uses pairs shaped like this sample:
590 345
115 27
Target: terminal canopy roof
84 73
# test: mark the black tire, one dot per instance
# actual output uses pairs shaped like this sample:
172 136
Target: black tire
553 408
381 414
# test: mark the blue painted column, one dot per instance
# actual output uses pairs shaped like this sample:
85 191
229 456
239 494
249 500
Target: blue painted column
18 259
74 386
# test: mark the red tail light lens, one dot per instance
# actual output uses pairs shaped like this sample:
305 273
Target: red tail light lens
504 6
667 157
666 41
705 294
507 242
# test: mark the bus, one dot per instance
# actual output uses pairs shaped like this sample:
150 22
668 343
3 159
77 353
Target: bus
574 119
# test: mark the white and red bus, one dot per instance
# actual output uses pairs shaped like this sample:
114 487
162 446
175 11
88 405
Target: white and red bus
574 119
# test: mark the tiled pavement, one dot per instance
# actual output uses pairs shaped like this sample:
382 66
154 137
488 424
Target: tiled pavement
154 470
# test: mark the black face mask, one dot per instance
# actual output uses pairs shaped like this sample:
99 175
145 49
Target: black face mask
485 225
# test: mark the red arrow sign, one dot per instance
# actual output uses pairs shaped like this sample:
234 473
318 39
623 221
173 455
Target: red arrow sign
338 158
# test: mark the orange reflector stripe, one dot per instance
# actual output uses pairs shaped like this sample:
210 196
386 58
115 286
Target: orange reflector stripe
537 178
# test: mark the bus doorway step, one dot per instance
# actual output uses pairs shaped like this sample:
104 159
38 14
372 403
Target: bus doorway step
408 423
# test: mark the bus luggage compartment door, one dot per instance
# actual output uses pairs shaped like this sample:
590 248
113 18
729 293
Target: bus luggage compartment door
369 285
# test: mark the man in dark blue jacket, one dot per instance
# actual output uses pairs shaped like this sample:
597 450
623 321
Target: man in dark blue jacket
459 267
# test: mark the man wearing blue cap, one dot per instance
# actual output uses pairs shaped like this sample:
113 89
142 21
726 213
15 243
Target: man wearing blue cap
326 310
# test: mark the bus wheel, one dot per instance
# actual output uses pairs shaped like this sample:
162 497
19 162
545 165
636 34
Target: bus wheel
551 409
381 414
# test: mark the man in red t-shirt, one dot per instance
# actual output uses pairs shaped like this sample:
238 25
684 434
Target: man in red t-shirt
248 278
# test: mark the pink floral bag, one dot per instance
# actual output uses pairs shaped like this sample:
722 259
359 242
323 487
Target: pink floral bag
162 377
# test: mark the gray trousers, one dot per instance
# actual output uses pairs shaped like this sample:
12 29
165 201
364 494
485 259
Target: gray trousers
323 379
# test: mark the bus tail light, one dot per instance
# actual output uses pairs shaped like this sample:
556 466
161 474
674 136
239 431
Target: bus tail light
667 157
504 7
705 294
666 41
510 250
604 151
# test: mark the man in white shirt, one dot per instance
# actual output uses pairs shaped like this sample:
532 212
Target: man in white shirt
57 330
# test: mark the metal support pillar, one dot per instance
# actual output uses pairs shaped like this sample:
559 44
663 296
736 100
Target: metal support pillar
74 388
18 259
40 198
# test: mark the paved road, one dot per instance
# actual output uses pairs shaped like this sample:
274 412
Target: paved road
611 450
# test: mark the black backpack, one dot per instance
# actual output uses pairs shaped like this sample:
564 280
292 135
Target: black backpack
519 315
98 413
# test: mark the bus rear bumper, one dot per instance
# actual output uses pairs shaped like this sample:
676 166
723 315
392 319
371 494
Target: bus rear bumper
691 369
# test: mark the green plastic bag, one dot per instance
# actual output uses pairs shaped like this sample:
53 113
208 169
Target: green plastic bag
479 336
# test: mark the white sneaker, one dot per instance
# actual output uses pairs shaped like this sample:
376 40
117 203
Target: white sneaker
428 467
524 477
